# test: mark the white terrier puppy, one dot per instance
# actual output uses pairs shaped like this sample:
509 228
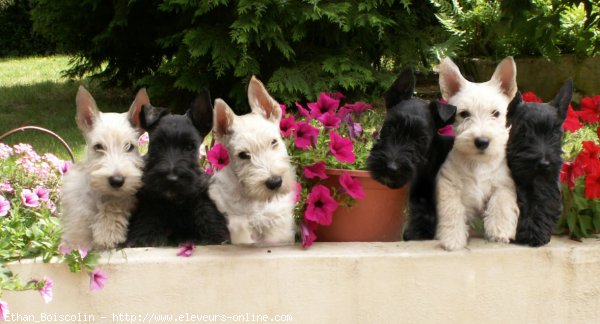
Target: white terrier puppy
475 181
98 193
255 191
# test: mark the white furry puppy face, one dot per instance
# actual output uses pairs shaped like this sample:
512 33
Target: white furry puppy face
480 123
113 162
258 155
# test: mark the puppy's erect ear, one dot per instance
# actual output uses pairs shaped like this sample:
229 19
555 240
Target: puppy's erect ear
513 105
261 101
201 113
563 99
402 89
87 110
223 118
505 77
443 114
140 100
150 115
451 81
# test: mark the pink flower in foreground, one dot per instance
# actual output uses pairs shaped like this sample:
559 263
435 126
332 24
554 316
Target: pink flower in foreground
298 191
446 131
97 279
323 105
50 205
330 120
307 233
4 206
359 107
5 151
303 111
341 148
6 187
42 193
143 139
316 170
352 186
287 125
320 205
186 249
29 198
3 310
46 290
283 108
354 130
23 148
64 249
218 156
83 252
209 170
305 135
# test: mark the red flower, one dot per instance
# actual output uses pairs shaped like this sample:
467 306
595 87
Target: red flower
324 104
341 148
218 156
588 158
329 120
529 96
307 233
592 185
303 111
305 135
569 172
352 186
316 170
590 109
358 107
320 205
287 125
572 122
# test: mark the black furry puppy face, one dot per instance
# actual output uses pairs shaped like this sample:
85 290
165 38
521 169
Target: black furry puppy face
534 146
407 133
172 168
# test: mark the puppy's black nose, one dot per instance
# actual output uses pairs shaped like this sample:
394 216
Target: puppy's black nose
116 181
274 182
172 177
393 166
543 164
482 143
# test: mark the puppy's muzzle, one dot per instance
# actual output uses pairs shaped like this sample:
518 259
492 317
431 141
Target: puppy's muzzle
274 182
482 143
116 181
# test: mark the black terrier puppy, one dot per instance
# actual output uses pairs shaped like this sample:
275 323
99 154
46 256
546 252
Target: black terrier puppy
410 149
174 206
534 152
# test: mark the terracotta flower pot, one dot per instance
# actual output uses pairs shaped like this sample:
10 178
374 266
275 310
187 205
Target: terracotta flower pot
378 217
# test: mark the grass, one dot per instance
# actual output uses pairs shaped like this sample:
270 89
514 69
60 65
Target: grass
33 92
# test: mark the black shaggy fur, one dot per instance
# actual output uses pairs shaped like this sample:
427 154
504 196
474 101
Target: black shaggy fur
410 150
534 158
173 203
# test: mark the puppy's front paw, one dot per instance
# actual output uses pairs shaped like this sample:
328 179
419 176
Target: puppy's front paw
453 244
498 239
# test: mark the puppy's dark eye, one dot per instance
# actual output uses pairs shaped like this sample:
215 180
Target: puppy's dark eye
243 155
274 142
496 113
129 147
464 114
190 147
98 147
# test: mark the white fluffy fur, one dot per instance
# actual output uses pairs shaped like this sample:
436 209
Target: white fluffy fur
255 213
95 215
471 182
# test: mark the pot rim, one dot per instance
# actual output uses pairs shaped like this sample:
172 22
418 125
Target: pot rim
353 173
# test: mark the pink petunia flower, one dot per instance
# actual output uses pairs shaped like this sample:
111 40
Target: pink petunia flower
23 148
3 310
287 125
209 170
64 249
354 130
303 111
283 108
42 193
330 120
98 279
143 139
6 187
5 151
4 206
298 191
218 156
186 249
323 105
316 170
336 95
305 135
446 131
29 198
341 148
50 205
352 186
307 233
46 290
64 167
320 205
358 107
83 252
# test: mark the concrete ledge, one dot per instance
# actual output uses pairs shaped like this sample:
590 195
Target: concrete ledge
412 282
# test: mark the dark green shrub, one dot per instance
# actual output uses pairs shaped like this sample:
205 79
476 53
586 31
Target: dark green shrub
16 36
